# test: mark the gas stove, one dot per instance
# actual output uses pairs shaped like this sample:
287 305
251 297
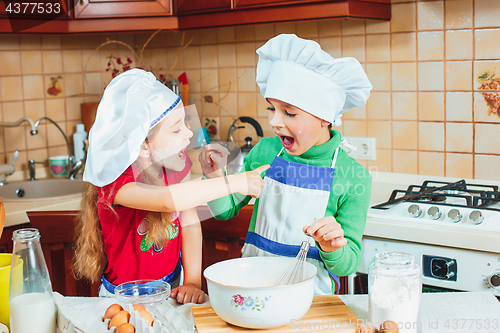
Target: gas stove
436 203
453 229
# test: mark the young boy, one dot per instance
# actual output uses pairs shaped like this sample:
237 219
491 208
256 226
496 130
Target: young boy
312 185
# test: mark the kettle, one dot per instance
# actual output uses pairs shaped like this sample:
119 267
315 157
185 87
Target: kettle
246 147
237 154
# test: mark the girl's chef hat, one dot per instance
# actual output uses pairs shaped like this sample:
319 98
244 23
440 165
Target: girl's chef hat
132 104
299 72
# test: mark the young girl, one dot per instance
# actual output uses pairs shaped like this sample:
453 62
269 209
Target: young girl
312 185
138 217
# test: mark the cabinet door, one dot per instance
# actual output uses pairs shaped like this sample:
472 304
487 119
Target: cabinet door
117 8
192 6
261 3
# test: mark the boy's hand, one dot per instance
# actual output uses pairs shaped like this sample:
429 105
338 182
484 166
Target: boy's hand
250 182
328 233
188 293
213 160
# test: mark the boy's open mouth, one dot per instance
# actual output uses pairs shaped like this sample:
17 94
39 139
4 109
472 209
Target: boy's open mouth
287 141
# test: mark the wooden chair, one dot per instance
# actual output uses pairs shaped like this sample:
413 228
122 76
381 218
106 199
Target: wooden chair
57 230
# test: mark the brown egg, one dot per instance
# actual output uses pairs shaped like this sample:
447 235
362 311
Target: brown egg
126 328
138 307
111 311
368 328
119 319
147 316
389 326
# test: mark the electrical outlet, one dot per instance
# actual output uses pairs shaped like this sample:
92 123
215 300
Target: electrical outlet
366 148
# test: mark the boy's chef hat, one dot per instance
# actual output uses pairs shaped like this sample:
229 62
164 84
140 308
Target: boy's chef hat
299 72
132 104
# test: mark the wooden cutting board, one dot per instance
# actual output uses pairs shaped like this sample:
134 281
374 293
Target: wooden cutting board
327 314
89 111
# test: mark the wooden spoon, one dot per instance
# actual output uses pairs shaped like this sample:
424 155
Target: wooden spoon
2 217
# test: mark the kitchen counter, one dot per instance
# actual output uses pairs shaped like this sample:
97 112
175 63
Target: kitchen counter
439 312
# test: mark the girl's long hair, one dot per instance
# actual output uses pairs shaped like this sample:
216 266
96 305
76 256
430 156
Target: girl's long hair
90 258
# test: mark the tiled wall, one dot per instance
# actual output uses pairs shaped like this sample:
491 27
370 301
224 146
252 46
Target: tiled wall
426 110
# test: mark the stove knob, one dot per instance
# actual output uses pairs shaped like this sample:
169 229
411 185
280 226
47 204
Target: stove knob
455 215
434 213
476 217
414 211
494 280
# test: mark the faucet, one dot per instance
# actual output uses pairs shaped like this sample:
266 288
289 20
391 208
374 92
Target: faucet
73 167
8 169
19 122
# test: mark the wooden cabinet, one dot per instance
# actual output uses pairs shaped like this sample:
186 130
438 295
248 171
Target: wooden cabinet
193 6
100 16
275 11
121 8
261 3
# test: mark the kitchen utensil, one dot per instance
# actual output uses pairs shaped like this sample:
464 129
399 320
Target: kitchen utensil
89 111
327 313
242 292
297 270
148 293
237 154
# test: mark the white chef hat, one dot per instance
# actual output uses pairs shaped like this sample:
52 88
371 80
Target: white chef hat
299 72
132 104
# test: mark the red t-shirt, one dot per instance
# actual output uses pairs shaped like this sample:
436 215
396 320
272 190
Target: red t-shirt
129 255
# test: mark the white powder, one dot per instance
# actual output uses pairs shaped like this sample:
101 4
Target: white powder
396 299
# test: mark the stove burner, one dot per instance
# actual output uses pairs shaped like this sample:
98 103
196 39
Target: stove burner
431 198
468 195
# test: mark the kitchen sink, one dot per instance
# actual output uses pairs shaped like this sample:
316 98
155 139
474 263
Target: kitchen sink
41 189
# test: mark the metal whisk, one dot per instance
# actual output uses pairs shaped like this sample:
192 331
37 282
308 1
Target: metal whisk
297 270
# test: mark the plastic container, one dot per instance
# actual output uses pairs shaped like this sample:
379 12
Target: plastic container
79 142
202 138
394 290
31 303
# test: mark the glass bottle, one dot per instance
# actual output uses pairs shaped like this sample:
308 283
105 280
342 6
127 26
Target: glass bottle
394 289
31 303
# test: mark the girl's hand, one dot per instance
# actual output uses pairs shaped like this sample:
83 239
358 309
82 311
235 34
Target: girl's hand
328 233
213 160
188 293
250 182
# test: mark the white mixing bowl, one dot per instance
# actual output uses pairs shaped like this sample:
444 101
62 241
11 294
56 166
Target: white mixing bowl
242 291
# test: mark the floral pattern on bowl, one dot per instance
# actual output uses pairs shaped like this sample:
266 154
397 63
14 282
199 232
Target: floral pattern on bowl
249 303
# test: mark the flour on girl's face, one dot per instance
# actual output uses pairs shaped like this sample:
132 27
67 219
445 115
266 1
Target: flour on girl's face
168 144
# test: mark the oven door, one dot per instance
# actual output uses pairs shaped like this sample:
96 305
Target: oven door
444 268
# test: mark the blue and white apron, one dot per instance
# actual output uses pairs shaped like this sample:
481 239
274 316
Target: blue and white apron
294 195
107 289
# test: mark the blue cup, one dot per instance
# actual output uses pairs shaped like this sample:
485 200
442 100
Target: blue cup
202 138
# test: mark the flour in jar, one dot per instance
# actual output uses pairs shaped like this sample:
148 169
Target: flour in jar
396 299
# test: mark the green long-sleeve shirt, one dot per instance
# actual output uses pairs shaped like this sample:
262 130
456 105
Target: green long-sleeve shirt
348 201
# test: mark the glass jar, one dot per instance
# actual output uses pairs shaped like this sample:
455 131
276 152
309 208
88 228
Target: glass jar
394 289
31 303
